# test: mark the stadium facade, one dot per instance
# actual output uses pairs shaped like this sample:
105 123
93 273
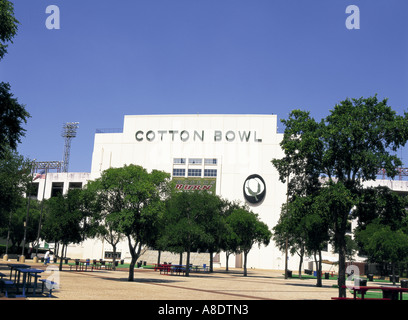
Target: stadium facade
229 155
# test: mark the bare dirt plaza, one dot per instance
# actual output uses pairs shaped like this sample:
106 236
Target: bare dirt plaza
151 285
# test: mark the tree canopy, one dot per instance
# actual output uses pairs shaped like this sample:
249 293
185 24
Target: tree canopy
8 25
346 148
247 230
134 202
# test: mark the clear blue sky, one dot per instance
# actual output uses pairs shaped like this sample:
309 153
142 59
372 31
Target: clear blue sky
113 58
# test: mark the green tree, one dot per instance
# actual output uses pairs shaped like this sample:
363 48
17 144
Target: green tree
382 224
289 233
12 117
15 175
134 201
301 171
228 242
248 230
65 219
12 114
8 25
304 229
384 245
348 147
213 223
101 206
187 222
383 204
15 231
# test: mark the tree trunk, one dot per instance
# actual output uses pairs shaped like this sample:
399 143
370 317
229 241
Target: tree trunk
393 273
132 268
211 261
62 257
318 270
227 254
135 255
300 266
245 263
158 257
188 263
342 271
114 257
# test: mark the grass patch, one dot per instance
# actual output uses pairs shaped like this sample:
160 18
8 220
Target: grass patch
307 276
335 277
377 294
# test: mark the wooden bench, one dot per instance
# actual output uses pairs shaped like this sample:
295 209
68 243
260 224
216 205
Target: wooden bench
50 286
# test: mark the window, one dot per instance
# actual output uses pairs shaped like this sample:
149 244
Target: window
210 172
194 172
179 172
57 188
210 161
33 191
75 185
179 161
195 161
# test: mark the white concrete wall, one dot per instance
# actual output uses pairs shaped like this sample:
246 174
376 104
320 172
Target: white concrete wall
237 158
64 177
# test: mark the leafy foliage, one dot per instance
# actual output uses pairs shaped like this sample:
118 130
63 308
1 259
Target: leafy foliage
12 117
133 204
349 146
247 230
8 25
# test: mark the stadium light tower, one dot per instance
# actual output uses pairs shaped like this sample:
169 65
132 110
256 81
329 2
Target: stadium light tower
69 131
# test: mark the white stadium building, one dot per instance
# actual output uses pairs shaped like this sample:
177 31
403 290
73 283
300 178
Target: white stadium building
226 154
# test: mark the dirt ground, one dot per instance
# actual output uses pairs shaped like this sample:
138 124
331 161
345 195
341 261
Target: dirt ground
151 285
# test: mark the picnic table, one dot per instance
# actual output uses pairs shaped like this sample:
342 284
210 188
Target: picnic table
178 268
84 264
388 292
80 264
25 283
28 274
14 267
162 267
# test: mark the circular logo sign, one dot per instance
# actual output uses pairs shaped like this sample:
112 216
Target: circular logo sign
254 189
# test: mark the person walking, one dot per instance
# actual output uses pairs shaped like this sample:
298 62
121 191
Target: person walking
47 257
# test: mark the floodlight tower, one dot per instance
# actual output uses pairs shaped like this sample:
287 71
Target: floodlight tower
68 132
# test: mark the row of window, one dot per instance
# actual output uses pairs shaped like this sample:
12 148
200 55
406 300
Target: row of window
56 188
194 172
197 161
